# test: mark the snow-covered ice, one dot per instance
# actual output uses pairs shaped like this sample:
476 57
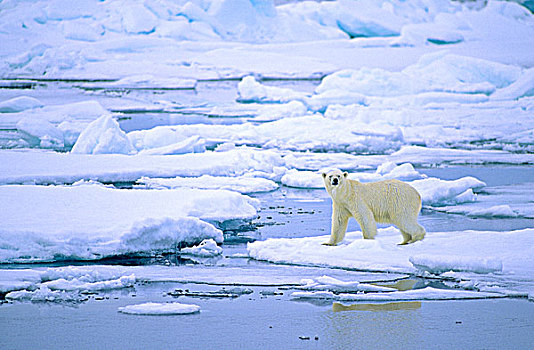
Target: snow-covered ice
385 171
103 135
507 201
60 168
76 284
19 104
160 309
427 293
321 135
45 294
433 191
211 39
334 285
105 221
206 248
242 184
502 256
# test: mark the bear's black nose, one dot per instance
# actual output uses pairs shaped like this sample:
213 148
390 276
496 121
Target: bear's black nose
335 181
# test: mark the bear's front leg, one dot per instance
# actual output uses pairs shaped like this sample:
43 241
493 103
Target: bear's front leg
340 219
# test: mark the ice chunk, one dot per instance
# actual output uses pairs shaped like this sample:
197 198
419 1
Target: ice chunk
386 171
80 285
85 111
64 10
523 86
420 33
302 179
103 135
428 293
85 274
193 144
206 248
435 191
46 134
503 210
327 283
160 309
320 102
435 155
437 72
250 90
321 135
45 294
56 168
83 30
137 19
15 279
438 264
144 81
19 104
242 184
383 253
101 225
270 112
316 161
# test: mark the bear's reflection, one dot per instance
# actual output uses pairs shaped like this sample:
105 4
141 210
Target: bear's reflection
403 305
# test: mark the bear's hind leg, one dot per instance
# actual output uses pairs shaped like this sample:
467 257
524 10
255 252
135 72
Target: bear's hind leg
367 224
407 238
411 232
419 234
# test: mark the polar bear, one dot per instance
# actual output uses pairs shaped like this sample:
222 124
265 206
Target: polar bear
389 201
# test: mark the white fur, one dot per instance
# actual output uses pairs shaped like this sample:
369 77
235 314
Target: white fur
390 201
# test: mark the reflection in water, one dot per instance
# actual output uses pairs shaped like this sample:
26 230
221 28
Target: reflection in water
361 330
404 305
402 285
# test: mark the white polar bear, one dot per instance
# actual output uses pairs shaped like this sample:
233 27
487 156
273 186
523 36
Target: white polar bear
390 201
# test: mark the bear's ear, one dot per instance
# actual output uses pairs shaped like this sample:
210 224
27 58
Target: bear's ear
324 175
345 174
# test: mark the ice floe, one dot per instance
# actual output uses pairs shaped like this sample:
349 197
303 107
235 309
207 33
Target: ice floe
385 171
382 254
480 261
103 135
19 104
81 285
59 168
327 283
104 221
160 309
206 248
45 294
439 263
507 201
427 293
242 184
433 191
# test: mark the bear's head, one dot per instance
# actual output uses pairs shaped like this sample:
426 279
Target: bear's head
334 178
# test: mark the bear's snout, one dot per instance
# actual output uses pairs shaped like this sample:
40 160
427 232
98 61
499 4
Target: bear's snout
335 181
